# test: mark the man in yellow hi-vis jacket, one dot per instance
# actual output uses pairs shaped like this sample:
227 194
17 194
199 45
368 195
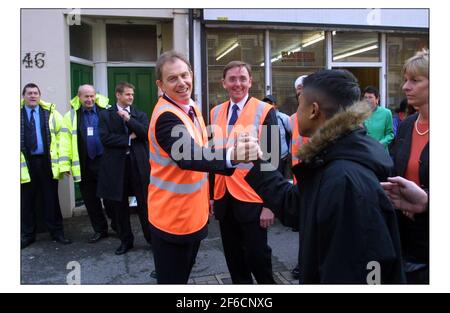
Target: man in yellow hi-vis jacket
39 138
81 151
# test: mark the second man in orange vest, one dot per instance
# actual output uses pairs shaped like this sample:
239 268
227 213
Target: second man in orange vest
241 213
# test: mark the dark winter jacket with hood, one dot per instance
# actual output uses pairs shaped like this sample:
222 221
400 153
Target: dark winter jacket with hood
345 219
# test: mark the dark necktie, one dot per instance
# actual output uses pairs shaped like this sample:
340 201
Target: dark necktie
32 138
234 115
127 131
191 113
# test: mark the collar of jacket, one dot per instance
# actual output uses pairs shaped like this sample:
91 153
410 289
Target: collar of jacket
340 124
114 109
45 105
100 100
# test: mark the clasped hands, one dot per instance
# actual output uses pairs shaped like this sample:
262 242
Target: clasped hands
126 117
246 149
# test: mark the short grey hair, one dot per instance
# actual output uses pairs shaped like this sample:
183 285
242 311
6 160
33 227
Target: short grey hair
84 87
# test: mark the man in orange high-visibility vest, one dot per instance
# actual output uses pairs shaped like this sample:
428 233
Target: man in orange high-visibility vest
241 213
178 193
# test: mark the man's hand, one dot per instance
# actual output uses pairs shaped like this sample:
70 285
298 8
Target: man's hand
266 218
246 149
124 115
67 174
133 136
406 195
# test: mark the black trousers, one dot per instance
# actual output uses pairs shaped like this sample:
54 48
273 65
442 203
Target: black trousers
88 188
173 260
132 186
42 183
246 250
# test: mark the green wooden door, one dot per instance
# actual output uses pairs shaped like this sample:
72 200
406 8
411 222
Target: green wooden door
79 75
143 78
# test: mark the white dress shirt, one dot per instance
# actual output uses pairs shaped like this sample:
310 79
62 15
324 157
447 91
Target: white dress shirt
185 108
240 104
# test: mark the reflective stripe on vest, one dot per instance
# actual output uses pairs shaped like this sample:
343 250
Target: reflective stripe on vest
75 164
55 127
252 117
178 200
24 174
154 153
178 188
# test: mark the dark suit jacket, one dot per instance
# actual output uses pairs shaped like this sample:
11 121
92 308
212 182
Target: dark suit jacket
114 138
245 211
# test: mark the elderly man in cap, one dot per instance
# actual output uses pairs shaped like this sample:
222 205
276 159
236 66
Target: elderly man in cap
285 133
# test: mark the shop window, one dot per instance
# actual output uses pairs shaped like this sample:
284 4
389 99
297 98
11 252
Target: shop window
294 53
400 47
225 45
81 41
356 46
131 43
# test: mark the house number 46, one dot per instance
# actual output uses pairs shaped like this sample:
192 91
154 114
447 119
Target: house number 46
34 59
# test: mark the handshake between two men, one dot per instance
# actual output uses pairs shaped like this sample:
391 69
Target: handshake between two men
246 149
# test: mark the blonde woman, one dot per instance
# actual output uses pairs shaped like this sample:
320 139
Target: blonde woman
411 158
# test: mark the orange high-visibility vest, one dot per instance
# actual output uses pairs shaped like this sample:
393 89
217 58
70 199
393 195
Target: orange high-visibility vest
250 120
296 141
178 200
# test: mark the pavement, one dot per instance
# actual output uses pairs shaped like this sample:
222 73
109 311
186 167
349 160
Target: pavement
49 263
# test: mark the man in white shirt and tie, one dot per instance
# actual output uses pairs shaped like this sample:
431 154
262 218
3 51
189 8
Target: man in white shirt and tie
241 213
124 167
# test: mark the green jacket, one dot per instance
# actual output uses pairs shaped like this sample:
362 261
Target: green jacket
55 124
69 158
379 126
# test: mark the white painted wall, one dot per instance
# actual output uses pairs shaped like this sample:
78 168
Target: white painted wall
151 13
99 54
197 64
181 31
46 31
